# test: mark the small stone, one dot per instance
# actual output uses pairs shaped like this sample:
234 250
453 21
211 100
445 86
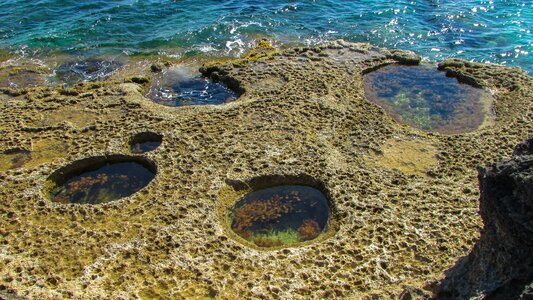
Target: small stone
139 80
157 67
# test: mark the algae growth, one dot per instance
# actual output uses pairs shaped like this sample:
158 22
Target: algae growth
424 97
103 184
281 215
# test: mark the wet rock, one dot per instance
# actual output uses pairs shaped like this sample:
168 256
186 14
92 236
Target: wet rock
23 76
501 264
405 57
157 67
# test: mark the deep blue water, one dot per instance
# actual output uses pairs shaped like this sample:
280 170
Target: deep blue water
182 86
493 31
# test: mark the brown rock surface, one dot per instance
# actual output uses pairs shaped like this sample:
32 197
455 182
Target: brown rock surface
303 117
501 263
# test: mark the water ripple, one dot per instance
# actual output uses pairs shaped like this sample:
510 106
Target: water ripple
481 30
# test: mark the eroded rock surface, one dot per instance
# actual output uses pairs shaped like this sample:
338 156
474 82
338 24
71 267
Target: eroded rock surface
302 119
501 263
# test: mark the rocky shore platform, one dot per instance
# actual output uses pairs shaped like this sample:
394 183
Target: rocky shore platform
405 210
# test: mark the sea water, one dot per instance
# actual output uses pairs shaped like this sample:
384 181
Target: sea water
184 85
104 184
497 31
424 97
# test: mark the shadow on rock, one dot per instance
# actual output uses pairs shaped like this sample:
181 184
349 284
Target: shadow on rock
500 265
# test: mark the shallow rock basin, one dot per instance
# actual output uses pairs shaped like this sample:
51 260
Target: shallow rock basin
280 216
145 142
22 76
182 86
14 159
90 69
423 97
101 182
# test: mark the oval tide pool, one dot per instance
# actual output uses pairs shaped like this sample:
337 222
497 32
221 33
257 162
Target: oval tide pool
106 183
423 97
281 215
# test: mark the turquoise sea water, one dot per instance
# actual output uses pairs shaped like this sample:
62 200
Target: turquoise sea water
496 31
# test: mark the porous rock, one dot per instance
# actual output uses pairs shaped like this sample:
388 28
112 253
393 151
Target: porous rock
501 264
302 119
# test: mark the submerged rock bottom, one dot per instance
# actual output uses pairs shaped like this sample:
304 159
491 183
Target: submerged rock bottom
280 215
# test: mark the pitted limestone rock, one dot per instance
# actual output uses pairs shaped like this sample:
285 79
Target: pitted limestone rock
395 228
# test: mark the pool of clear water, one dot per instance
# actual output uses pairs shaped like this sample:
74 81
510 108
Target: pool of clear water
183 86
281 215
423 97
89 69
104 184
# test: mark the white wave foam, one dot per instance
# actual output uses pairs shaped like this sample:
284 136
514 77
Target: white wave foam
206 48
237 45
235 27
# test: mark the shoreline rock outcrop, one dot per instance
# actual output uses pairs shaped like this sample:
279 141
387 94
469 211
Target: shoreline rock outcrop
404 202
500 265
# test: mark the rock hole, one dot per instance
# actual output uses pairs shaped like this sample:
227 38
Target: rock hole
100 179
280 215
425 98
183 86
145 142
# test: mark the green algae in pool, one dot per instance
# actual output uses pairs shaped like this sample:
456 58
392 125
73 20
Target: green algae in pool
423 97
280 216
104 184
181 86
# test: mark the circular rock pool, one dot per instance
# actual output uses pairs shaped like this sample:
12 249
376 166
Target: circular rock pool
99 180
423 97
184 86
281 215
